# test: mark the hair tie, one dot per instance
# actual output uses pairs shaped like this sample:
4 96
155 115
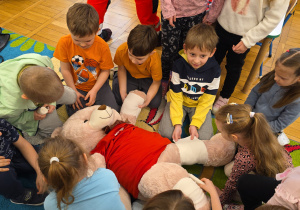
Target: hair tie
54 159
252 114
229 119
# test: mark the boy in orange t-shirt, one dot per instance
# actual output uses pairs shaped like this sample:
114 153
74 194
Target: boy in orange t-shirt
85 59
139 67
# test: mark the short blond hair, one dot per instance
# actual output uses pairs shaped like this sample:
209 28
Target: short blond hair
41 84
82 20
202 36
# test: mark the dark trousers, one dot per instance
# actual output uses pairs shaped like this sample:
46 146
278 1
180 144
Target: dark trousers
234 61
136 84
104 96
173 38
10 186
255 189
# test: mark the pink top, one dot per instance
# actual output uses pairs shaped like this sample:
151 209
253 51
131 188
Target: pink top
287 193
189 8
244 162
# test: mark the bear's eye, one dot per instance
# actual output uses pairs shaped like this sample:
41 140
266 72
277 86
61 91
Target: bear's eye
85 121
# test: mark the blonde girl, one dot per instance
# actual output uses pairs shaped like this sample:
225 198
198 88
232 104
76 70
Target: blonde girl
277 95
258 148
65 168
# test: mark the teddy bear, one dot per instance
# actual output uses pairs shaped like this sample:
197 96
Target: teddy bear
144 162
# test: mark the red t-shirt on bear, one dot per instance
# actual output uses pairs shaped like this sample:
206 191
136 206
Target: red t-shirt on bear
129 152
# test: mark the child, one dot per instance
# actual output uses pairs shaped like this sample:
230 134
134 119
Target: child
19 157
26 84
277 95
177 18
85 59
139 67
170 200
258 148
240 25
283 191
65 167
194 84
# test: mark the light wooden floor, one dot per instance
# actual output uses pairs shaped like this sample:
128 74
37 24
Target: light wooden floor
44 20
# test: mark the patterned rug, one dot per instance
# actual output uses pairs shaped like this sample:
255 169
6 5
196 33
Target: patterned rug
19 45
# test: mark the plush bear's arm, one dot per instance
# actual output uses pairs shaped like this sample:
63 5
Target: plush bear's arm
130 110
96 161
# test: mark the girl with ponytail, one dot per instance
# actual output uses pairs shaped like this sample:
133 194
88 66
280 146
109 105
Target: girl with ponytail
257 147
65 168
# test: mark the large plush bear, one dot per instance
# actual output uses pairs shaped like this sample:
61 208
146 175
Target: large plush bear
144 162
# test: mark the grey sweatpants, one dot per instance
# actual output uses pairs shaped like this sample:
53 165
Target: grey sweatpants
166 127
51 121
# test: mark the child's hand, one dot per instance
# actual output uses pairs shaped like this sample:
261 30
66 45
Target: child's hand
92 95
240 48
38 116
193 131
172 20
177 133
41 185
4 162
204 20
50 108
208 186
219 191
78 102
146 103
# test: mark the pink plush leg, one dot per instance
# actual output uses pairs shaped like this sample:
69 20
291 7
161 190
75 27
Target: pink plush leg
220 151
159 178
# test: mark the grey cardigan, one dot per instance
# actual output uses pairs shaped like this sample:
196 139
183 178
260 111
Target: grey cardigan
278 118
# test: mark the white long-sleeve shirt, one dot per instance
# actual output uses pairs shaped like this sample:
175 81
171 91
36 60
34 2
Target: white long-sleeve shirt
252 19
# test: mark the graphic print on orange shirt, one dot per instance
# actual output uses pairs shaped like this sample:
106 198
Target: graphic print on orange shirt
84 69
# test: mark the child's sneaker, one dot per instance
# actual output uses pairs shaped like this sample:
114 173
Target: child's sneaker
30 197
219 103
106 34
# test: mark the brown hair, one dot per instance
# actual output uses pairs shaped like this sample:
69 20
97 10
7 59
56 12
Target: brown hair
82 20
41 84
290 59
142 40
169 200
271 207
202 36
62 176
261 141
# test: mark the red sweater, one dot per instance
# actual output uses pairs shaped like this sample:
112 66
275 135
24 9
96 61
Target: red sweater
129 152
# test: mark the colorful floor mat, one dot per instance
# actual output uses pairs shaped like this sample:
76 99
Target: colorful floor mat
19 45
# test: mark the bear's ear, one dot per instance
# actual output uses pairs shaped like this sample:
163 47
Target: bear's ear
102 107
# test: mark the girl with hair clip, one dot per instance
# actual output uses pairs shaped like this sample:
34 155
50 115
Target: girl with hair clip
257 147
65 168
277 95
